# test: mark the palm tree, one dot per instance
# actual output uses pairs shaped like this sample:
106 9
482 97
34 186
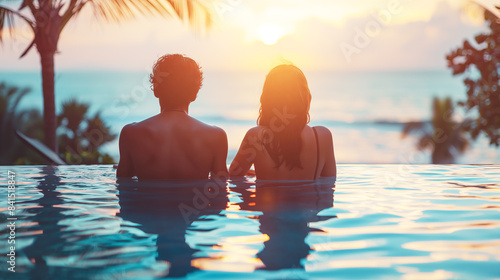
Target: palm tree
443 136
47 19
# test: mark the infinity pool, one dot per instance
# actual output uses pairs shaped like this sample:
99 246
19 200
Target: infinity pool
375 221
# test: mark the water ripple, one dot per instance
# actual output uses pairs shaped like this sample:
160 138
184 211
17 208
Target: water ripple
376 221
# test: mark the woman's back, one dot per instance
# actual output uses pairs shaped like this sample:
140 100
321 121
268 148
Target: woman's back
316 156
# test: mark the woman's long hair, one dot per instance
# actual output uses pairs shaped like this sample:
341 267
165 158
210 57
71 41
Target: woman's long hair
284 110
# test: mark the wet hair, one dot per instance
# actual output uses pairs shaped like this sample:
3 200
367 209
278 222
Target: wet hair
284 110
176 80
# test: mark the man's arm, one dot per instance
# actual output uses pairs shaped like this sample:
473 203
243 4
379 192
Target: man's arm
219 167
125 167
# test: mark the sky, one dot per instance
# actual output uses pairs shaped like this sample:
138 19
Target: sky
258 34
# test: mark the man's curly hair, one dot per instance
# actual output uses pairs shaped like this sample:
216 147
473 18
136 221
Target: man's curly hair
176 80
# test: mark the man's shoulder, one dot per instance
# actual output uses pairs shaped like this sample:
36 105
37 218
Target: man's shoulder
131 127
210 129
217 132
134 130
137 126
213 135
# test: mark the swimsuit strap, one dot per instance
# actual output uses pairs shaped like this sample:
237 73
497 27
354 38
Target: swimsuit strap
317 152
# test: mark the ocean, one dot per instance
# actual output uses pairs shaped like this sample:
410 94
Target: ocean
364 110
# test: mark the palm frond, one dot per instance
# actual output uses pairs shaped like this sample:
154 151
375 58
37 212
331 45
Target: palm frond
458 140
7 17
73 9
197 12
32 44
194 11
29 4
425 142
10 96
17 94
411 127
6 21
74 113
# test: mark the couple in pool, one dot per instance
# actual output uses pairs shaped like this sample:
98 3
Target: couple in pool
173 145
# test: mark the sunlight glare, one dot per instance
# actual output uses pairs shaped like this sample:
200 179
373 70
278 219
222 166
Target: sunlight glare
270 34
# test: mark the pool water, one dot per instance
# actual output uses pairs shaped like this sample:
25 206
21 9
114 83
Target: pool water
374 221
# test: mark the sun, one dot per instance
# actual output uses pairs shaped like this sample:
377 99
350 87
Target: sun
270 34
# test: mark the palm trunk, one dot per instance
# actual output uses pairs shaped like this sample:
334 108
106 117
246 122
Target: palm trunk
49 108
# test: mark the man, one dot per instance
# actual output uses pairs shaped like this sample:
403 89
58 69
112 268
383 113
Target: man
173 145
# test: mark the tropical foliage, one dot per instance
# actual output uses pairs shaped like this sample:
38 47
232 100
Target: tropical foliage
481 63
82 136
443 136
81 139
12 151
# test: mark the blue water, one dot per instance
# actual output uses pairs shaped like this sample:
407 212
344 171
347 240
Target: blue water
348 103
375 221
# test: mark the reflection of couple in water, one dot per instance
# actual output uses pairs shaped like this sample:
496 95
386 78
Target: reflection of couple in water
173 145
174 211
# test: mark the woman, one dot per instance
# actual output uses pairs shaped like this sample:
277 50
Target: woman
283 146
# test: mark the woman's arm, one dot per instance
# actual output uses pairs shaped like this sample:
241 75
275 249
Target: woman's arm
330 167
245 156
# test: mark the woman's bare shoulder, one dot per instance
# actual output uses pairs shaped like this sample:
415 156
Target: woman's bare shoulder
324 132
256 131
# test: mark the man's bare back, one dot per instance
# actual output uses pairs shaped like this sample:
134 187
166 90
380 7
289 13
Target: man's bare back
173 145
